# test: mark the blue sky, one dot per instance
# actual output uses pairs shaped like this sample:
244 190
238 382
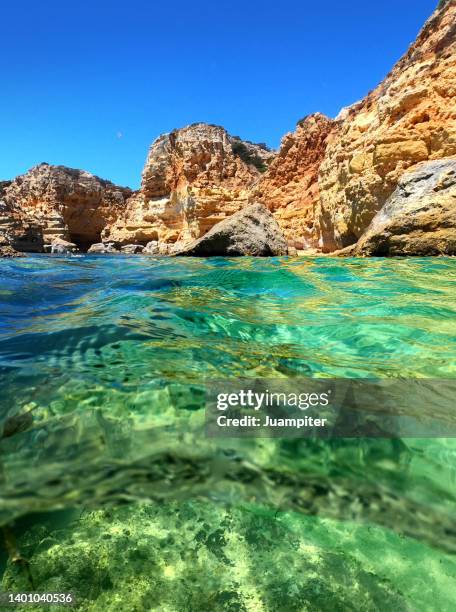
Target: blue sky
91 84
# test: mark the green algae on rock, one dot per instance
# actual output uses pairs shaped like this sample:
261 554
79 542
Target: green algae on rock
196 556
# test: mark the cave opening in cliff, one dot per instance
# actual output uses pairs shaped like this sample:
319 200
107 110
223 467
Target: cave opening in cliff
85 241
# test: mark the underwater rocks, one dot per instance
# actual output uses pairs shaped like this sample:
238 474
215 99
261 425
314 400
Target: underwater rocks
197 556
251 231
409 118
55 203
420 216
193 178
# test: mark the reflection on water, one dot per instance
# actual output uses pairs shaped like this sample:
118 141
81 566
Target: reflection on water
109 356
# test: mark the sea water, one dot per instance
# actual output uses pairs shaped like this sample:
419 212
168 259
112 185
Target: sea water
110 489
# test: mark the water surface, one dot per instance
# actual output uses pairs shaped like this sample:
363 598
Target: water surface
110 354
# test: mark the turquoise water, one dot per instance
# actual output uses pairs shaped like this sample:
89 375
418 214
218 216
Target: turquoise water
105 360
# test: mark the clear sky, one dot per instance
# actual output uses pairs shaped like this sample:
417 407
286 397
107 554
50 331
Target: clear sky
91 84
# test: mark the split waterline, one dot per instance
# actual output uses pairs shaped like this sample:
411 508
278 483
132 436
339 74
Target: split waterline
110 354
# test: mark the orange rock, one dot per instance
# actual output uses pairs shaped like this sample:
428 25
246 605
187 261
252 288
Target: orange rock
290 186
193 178
324 186
409 118
52 203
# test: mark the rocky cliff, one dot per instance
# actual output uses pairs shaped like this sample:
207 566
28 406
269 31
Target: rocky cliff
410 117
329 178
51 203
193 178
419 218
290 187
324 186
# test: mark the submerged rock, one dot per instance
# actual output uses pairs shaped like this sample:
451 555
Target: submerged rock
251 231
196 556
420 216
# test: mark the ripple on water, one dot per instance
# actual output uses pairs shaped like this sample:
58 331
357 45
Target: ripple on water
111 354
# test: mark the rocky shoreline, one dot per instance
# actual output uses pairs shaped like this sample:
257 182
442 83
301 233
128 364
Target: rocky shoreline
378 180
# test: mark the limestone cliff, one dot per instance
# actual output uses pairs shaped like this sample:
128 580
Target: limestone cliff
57 203
193 178
324 186
410 117
290 186
419 218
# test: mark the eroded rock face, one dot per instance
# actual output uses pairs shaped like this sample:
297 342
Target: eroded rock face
3 187
17 230
290 186
193 178
51 203
419 218
251 231
409 118
329 178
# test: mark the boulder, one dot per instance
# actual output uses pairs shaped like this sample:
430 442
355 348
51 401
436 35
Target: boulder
61 247
102 247
152 248
8 251
132 249
251 231
419 218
